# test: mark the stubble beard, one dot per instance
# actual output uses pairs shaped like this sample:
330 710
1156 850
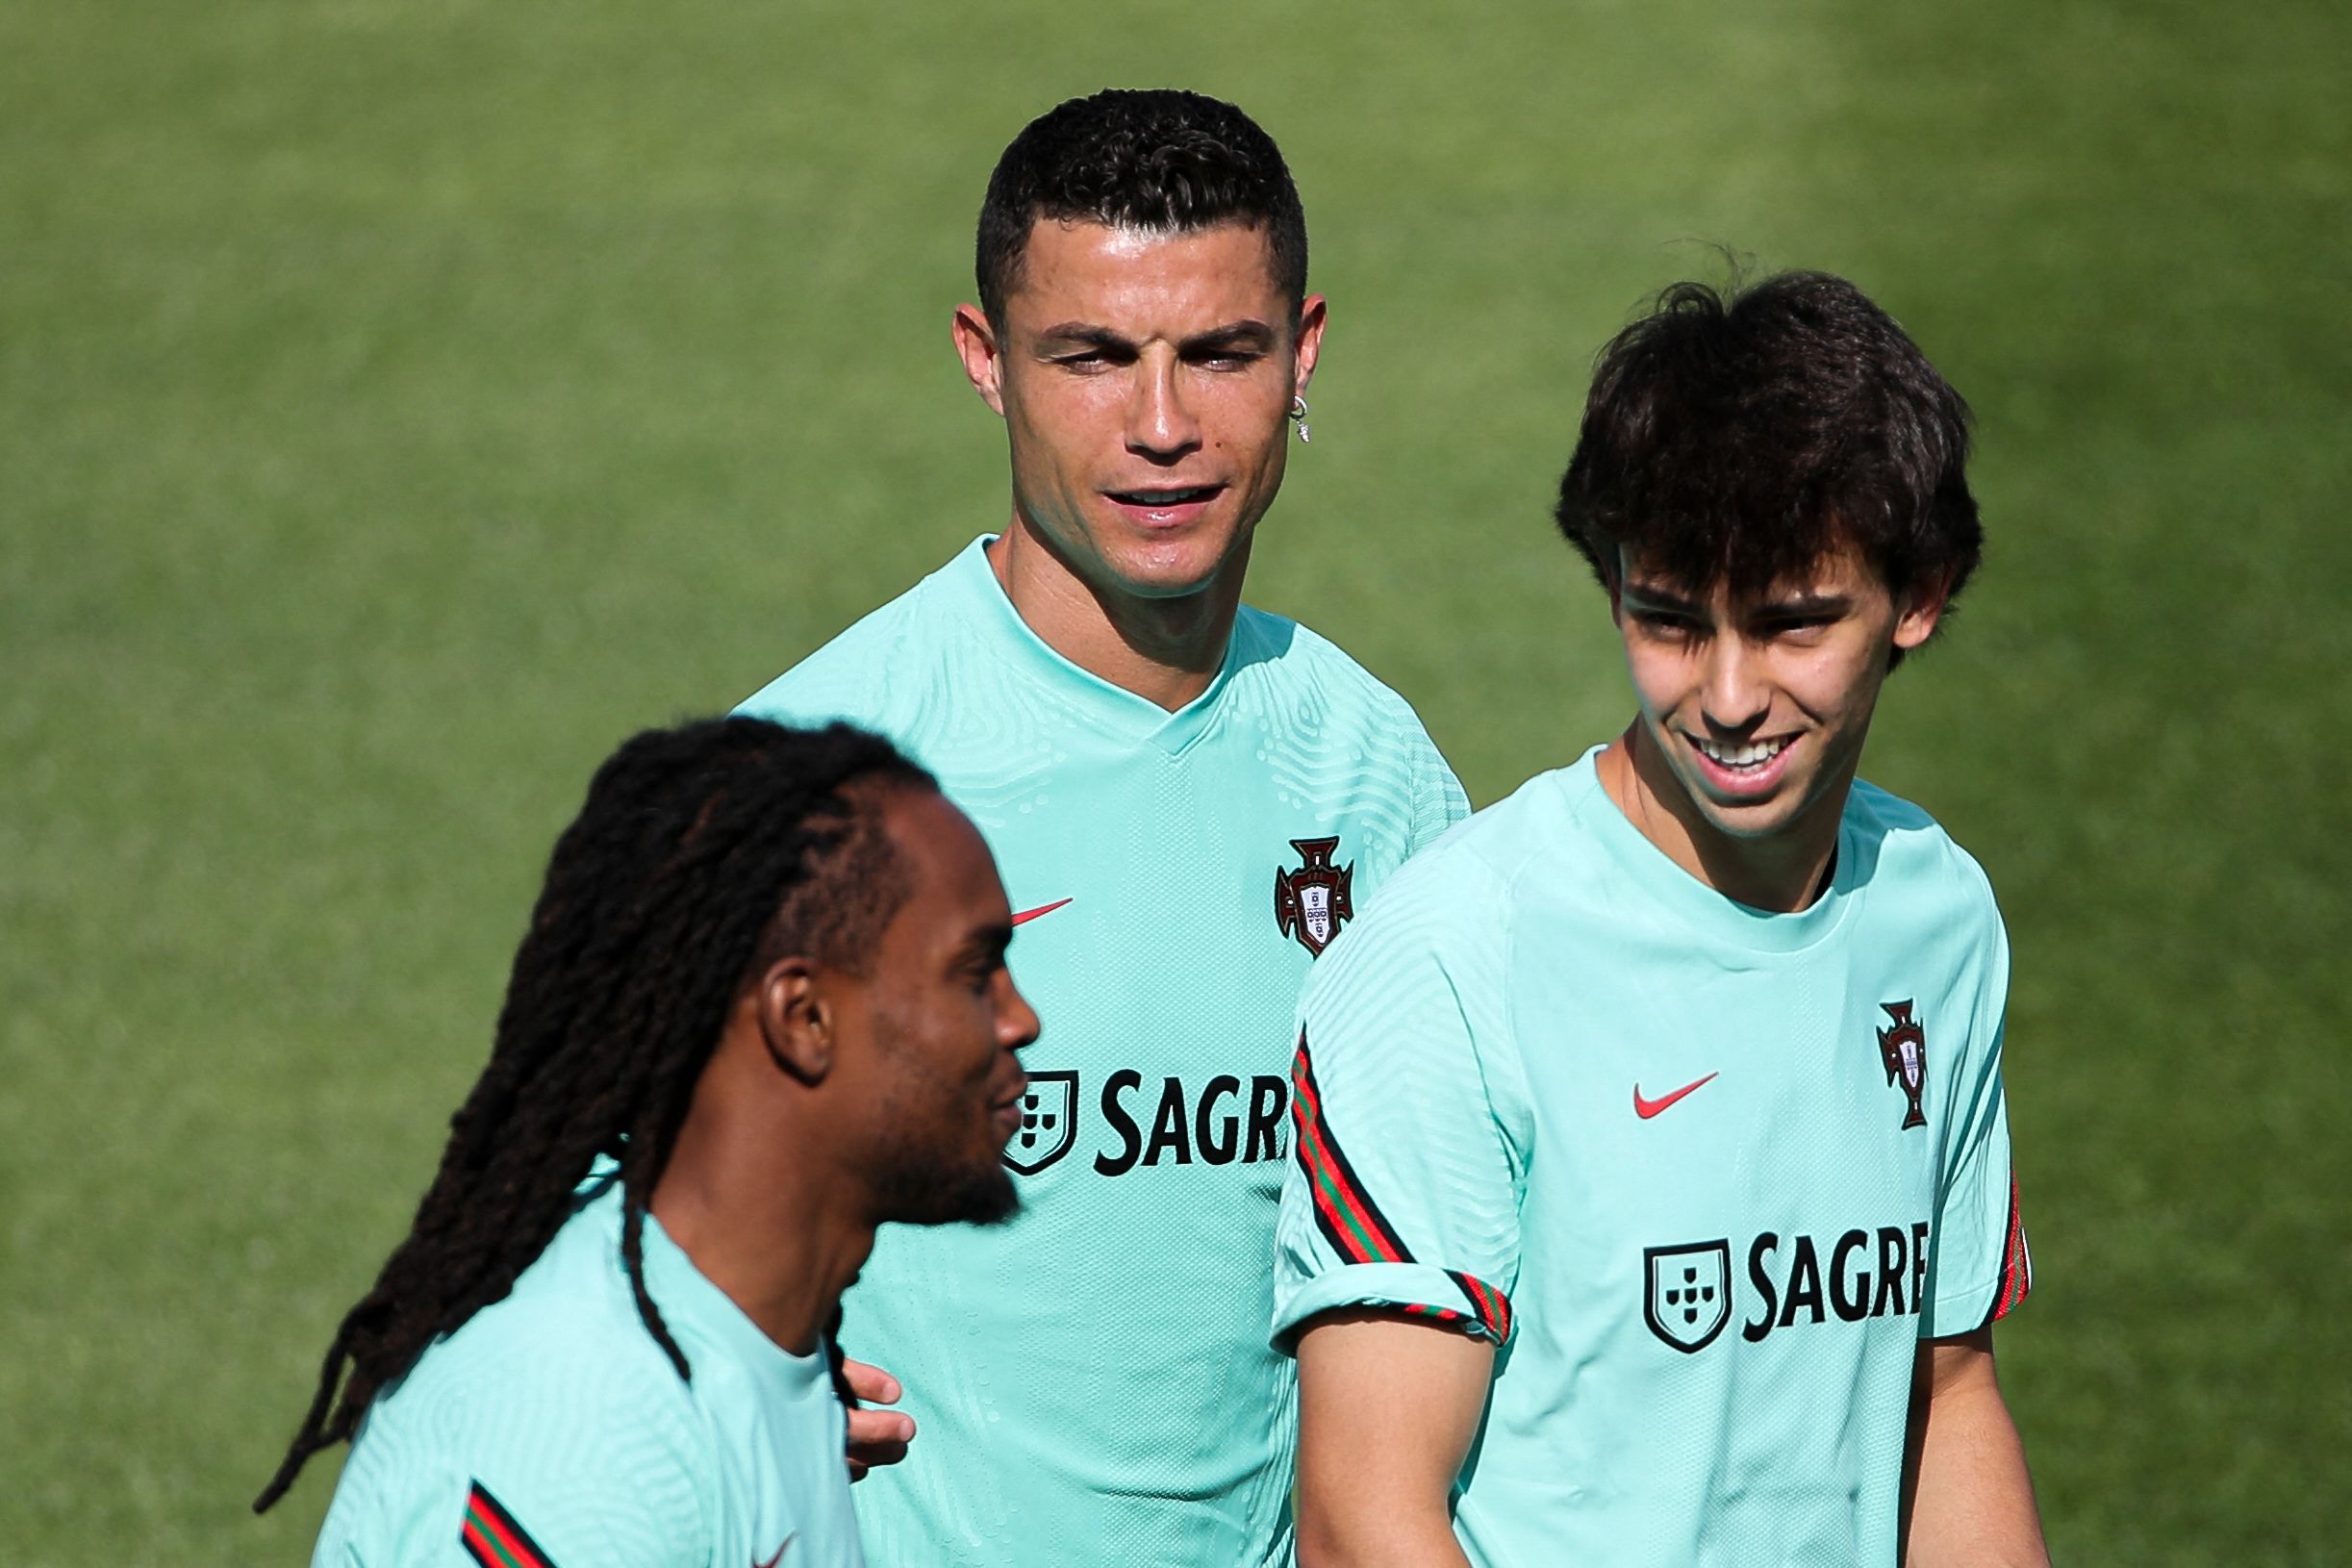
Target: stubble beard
915 1186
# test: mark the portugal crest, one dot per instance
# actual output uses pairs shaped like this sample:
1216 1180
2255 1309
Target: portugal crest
1312 901
1687 1293
1049 1123
1904 1048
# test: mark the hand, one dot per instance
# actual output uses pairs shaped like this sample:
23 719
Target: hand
875 1436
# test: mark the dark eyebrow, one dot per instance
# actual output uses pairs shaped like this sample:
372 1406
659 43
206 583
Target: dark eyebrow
1251 334
990 943
1807 603
1658 598
1093 336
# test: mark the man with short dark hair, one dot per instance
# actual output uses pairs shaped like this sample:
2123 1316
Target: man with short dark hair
1652 1191
762 1009
1187 794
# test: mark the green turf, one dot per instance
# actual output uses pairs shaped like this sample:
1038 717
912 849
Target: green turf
398 403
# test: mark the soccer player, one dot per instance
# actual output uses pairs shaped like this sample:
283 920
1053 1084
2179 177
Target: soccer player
1187 797
761 1009
1653 1179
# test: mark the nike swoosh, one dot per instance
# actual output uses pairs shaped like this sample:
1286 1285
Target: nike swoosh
1029 915
780 1551
1647 1108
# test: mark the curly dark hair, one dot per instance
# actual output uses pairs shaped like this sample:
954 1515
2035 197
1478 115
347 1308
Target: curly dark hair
1742 436
702 852
1161 159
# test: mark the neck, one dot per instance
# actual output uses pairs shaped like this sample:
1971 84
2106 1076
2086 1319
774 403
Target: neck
1781 871
1165 651
781 1238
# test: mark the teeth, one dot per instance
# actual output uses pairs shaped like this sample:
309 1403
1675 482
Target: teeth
1164 498
1755 754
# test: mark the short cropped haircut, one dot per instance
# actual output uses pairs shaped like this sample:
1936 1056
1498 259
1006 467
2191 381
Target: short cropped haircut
1743 436
1163 161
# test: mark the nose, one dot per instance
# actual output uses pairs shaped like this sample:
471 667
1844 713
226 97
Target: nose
1735 694
1160 420
1017 1022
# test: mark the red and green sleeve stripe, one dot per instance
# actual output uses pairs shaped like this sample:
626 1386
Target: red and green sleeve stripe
1344 1211
1354 1224
2016 1260
493 1539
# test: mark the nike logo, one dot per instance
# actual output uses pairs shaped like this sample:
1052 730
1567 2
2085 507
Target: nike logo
1027 915
780 1551
1647 1108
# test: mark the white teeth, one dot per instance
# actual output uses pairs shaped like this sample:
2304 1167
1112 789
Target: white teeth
1755 754
1164 498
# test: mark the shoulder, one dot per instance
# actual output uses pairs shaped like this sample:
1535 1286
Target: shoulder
1911 854
556 1352
844 679
1497 850
873 673
1284 656
1459 891
586 1441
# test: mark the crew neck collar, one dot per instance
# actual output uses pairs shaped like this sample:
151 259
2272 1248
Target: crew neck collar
971 583
1668 883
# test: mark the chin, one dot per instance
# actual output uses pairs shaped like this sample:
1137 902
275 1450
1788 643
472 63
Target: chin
1163 579
982 1197
979 1195
1174 564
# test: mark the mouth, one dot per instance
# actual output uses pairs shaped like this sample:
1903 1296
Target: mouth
1163 506
1006 1112
1742 767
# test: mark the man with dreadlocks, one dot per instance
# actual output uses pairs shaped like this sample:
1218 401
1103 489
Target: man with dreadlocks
762 1009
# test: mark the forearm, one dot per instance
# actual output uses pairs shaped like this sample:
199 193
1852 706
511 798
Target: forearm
1972 1500
1357 1537
1386 1411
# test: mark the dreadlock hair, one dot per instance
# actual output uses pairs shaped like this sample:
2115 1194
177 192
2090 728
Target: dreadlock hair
1162 161
701 855
1742 436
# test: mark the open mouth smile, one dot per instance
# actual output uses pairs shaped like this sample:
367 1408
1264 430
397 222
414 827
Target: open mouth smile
1742 767
1166 504
1746 757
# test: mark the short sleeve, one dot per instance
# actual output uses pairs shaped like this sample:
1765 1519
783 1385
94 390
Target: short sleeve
578 1471
1408 1119
1439 800
1980 1266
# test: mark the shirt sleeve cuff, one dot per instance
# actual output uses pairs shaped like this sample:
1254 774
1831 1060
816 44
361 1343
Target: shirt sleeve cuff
1417 1291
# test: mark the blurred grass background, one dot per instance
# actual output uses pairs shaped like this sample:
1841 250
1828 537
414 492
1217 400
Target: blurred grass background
402 402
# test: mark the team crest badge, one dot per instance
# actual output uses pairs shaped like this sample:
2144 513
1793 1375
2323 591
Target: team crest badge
1313 900
1687 1293
1049 1123
1904 1048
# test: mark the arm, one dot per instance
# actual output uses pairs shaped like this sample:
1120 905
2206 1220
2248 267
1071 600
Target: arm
1967 1498
1387 1409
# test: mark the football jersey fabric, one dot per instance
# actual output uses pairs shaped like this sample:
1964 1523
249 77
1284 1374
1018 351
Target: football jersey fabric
550 1429
1665 1150
1092 1379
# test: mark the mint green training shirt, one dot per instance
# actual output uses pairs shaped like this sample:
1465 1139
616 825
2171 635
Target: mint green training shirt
1092 1380
551 1432
1705 1175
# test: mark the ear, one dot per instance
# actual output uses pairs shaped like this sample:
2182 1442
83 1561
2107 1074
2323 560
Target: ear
1920 609
797 1020
1309 346
976 345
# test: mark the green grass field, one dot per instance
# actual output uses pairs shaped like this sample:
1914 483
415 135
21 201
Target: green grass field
400 403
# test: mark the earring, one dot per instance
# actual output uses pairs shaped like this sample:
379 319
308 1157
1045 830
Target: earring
1298 414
